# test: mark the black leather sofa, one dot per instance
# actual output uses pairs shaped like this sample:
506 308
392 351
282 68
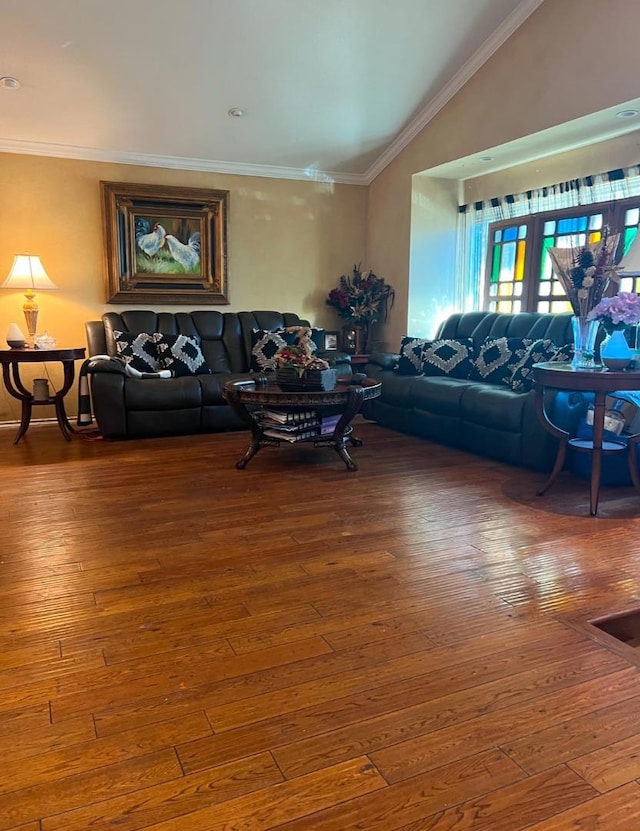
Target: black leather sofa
485 418
128 407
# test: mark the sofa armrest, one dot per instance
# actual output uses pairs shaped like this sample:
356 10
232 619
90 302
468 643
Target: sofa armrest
338 360
101 363
386 360
109 408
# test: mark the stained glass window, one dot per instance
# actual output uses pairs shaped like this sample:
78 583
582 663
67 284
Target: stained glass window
520 276
507 269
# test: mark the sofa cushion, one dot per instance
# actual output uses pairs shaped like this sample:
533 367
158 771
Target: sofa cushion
498 408
410 358
441 395
448 356
151 394
522 376
139 351
181 354
497 359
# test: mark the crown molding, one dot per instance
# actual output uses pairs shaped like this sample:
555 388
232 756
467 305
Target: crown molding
63 151
517 17
502 33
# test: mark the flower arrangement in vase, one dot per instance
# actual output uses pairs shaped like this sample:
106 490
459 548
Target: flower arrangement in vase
297 368
585 273
361 298
617 314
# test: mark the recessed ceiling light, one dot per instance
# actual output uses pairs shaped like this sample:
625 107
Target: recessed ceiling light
236 112
7 82
486 158
627 113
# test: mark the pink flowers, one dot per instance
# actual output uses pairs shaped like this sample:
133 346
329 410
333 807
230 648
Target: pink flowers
617 312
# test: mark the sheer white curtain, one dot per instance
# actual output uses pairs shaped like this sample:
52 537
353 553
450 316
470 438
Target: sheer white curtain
474 220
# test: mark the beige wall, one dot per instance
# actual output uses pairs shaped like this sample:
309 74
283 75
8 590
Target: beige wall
622 151
289 241
569 59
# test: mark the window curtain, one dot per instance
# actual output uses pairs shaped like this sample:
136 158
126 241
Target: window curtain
475 218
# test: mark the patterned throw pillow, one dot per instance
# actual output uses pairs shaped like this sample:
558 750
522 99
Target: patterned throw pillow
497 358
448 356
410 361
522 377
181 354
264 346
563 354
139 351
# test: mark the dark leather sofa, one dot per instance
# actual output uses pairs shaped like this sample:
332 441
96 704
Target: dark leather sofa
489 419
126 407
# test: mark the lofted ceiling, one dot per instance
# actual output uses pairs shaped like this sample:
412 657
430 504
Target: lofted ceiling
330 88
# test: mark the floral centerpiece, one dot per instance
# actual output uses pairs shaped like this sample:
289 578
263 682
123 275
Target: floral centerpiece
585 273
298 368
361 298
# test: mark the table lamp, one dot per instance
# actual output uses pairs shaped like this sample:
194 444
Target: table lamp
28 273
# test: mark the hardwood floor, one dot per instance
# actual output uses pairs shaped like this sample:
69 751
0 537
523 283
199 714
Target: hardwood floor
188 647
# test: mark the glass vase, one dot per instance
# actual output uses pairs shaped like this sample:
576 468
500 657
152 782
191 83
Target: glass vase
615 352
584 342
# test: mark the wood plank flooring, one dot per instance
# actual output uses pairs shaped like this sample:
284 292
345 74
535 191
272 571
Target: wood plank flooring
188 647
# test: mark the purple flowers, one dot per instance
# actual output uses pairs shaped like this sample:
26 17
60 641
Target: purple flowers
617 312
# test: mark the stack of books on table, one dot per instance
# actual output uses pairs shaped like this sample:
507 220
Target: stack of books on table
295 425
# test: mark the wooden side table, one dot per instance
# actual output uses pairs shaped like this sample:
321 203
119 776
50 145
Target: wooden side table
11 360
600 381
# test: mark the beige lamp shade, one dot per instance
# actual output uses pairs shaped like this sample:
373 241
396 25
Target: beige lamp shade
28 274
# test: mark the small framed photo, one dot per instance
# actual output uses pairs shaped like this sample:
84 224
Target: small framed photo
331 341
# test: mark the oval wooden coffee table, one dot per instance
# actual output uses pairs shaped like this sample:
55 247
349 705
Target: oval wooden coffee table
345 400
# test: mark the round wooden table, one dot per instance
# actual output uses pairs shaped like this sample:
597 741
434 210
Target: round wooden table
11 360
346 399
600 381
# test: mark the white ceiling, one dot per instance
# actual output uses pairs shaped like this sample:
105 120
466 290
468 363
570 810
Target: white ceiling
330 88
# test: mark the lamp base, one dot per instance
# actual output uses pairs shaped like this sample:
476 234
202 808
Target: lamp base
31 318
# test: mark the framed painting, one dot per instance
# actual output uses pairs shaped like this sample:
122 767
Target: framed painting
165 244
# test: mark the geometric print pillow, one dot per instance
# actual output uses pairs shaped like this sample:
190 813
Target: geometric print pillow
139 351
264 346
497 358
411 351
448 356
522 376
181 354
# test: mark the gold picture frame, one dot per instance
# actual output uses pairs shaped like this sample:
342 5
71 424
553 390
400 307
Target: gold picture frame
165 244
